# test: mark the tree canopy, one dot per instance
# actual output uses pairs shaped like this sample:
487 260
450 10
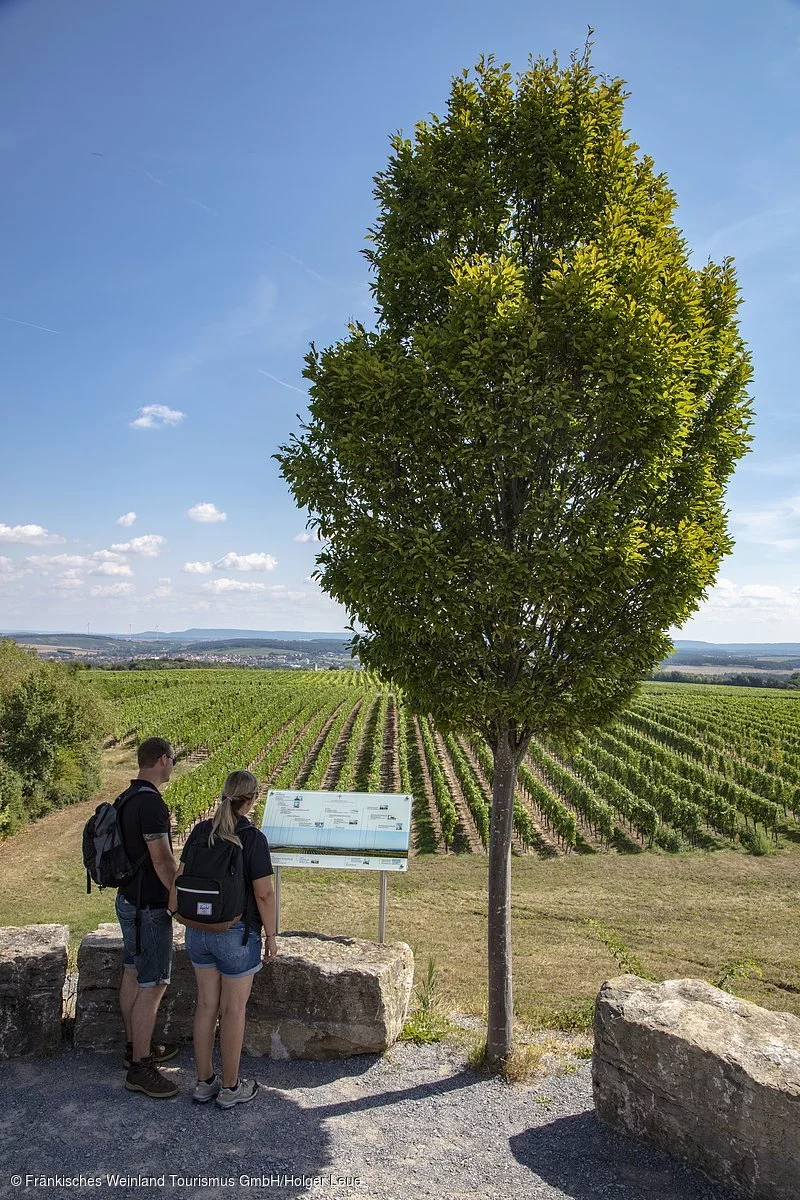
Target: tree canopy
519 472
50 727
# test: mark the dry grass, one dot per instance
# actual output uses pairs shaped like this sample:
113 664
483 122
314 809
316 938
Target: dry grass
693 914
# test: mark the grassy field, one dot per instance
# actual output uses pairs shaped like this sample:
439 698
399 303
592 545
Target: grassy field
710 915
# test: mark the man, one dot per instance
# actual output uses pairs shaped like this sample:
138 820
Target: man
145 827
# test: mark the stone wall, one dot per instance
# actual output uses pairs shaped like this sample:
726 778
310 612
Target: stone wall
33 967
323 997
704 1075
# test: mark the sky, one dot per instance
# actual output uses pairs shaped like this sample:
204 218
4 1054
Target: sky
186 190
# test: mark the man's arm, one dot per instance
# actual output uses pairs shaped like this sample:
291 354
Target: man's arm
161 857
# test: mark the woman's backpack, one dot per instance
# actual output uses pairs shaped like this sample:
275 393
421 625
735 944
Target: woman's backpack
211 892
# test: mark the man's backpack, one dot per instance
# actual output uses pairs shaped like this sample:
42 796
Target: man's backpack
212 892
104 855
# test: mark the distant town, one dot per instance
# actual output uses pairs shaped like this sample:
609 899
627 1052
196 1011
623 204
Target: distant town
194 648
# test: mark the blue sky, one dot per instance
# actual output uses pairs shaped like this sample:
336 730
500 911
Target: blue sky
186 188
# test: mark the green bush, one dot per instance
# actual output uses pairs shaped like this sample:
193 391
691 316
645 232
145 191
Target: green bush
12 804
50 729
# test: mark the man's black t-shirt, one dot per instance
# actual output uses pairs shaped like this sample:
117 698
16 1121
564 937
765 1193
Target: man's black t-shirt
257 861
144 813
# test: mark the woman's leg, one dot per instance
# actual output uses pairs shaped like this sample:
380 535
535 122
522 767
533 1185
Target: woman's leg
232 1004
205 1019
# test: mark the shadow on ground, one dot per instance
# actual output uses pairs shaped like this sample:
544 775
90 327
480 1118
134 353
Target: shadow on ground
586 1160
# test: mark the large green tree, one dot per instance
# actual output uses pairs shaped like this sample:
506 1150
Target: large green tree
519 473
50 728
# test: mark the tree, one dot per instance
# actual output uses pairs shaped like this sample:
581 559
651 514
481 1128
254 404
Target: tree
50 727
519 473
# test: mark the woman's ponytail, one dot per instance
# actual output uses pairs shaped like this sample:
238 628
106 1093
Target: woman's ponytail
239 787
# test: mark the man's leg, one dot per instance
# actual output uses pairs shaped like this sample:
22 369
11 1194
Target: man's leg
143 1018
128 990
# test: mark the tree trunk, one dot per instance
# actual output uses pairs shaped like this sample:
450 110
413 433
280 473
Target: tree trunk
501 1012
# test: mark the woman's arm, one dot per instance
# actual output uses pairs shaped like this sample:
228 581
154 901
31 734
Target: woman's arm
264 893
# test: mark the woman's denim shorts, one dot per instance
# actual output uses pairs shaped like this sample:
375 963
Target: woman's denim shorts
225 951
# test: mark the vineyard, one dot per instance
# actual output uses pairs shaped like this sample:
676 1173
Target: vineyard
683 767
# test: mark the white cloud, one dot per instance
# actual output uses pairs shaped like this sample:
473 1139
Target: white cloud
755 602
157 416
111 568
308 537
148 545
30 535
112 589
46 561
68 582
106 556
276 591
127 519
220 586
246 562
778 527
206 513
163 588
198 568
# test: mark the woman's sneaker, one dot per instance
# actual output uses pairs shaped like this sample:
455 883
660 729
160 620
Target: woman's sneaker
145 1077
245 1090
204 1092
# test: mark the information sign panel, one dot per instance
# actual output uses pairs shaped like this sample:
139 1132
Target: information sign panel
353 831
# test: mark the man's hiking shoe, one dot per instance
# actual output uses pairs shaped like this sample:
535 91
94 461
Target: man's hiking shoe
204 1092
245 1090
145 1077
160 1052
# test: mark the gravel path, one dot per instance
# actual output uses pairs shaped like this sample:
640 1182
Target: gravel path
414 1123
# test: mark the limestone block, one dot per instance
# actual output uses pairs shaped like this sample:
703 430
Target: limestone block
329 997
98 1021
703 1075
323 997
33 967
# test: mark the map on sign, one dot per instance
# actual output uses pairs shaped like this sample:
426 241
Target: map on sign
354 831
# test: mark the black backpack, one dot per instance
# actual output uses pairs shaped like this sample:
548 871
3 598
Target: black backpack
104 855
212 892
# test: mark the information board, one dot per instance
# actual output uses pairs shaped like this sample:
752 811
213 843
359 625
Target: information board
353 831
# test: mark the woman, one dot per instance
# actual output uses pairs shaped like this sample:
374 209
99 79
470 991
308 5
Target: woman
225 963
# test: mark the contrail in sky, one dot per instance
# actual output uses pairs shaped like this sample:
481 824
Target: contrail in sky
161 183
30 325
290 386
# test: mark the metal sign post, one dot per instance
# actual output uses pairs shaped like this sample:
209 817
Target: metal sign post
277 900
382 909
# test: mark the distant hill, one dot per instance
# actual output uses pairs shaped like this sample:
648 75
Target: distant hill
219 635
781 649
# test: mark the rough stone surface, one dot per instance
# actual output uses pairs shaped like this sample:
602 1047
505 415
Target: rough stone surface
33 966
329 997
98 1021
702 1074
321 998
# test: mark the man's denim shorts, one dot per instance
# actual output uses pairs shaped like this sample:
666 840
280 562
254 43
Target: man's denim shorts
154 963
225 951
